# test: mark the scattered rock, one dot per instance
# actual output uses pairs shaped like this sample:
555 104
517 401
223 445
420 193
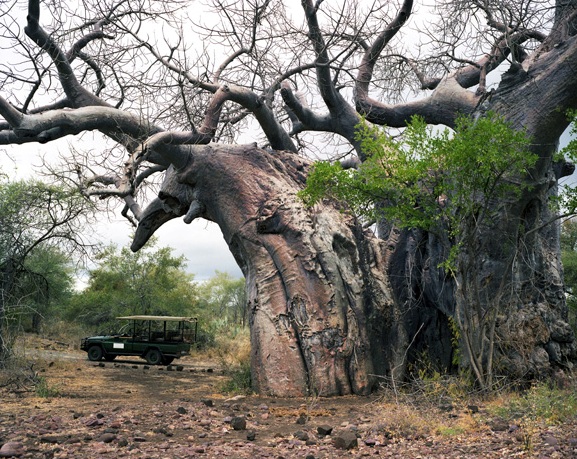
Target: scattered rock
301 435
473 409
107 438
12 449
324 430
345 440
251 435
207 401
93 422
302 419
181 410
238 423
53 439
550 440
499 425
370 442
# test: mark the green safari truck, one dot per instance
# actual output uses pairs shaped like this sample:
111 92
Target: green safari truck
158 339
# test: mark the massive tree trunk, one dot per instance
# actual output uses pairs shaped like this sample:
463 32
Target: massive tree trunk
319 299
518 270
508 294
333 309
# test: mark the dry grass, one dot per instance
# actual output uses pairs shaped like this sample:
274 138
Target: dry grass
231 349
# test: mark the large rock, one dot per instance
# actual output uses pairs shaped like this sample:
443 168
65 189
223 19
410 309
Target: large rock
12 449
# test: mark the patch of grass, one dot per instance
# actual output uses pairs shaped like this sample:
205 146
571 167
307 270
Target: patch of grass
240 381
403 421
451 431
44 389
542 401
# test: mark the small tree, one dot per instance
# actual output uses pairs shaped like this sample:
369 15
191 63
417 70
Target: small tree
224 297
43 289
446 184
35 217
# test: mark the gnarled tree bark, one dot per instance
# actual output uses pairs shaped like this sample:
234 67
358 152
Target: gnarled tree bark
319 300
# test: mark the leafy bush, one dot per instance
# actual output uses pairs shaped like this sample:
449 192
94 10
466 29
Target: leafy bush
44 389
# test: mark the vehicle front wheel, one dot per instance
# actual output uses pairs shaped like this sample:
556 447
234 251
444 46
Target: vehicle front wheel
154 357
95 353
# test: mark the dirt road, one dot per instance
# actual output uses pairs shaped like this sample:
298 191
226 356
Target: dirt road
127 409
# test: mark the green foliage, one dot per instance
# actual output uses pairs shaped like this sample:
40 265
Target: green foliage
426 180
34 212
240 381
44 389
455 338
569 260
543 402
223 300
151 281
43 286
40 224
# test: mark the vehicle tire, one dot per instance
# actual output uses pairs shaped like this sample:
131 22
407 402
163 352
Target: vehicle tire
167 360
95 353
154 357
109 357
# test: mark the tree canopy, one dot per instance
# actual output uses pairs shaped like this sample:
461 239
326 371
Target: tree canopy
152 281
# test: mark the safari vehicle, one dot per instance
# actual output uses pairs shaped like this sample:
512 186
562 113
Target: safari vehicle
158 339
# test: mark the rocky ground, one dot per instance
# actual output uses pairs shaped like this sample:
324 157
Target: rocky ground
82 409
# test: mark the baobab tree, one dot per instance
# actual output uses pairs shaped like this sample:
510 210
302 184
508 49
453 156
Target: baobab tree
177 92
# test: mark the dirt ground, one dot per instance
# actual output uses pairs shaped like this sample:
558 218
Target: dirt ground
125 408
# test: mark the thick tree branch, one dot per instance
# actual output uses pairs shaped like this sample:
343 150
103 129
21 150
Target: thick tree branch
10 114
449 101
330 95
75 92
367 65
302 117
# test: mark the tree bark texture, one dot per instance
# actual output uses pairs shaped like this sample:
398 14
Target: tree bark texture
332 308
319 299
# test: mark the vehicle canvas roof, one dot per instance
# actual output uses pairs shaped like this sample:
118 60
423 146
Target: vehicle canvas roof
163 318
